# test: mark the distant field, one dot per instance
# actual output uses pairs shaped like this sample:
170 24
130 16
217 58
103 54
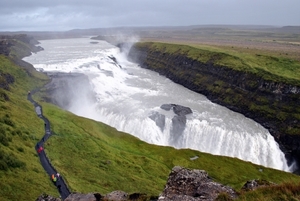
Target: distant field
275 42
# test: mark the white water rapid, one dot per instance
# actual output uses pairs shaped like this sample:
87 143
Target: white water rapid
127 96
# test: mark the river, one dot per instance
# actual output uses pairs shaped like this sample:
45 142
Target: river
129 98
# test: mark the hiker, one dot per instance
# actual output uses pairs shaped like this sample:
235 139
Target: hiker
54 179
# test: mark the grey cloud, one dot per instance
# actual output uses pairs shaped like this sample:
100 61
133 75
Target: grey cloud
68 14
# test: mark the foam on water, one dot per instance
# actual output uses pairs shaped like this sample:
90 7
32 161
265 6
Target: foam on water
127 95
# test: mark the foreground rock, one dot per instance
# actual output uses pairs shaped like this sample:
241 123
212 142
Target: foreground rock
45 197
193 185
113 196
182 185
84 197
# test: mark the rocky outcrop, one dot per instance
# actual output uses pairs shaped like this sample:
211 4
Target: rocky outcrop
182 185
275 105
17 47
177 109
112 196
178 121
21 44
193 185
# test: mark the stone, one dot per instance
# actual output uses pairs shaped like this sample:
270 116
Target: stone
45 197
83 197
193 185
116 196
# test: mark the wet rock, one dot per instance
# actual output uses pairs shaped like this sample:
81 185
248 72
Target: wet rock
193 185
115 61
159 119
94 42
178 126
166 107
177 109
178 121
181 110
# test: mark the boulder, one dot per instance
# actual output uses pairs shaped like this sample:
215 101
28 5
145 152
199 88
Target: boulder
193 185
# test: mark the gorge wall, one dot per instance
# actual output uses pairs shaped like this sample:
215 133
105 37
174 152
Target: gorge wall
273 104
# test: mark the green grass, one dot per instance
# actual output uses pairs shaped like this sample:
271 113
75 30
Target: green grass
92 156
284 192
275 68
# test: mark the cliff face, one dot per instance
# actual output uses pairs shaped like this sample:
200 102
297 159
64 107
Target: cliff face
272 104
18 45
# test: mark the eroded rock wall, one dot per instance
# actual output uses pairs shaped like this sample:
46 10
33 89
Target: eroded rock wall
274 105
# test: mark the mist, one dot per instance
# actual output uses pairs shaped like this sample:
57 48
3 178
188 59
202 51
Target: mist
98 82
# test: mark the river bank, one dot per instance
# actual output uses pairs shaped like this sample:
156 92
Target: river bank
273 104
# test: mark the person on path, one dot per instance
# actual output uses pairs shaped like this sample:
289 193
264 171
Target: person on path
54 179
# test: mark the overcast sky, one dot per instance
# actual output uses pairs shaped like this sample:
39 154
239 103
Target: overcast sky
60 15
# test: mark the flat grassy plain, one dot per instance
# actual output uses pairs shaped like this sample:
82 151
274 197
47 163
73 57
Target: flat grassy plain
282 42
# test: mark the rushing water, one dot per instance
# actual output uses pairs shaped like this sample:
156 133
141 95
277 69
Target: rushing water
127 96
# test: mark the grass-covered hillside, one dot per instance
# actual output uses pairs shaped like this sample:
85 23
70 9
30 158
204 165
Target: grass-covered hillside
92 156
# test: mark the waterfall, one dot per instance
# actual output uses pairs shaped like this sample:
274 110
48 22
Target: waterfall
130 99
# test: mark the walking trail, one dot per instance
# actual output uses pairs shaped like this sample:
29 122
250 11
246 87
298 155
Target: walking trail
59 183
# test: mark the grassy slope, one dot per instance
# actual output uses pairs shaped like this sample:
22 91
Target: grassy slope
95 157
25 182
280 69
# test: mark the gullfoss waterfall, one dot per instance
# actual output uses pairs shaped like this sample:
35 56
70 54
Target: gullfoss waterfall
150 106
